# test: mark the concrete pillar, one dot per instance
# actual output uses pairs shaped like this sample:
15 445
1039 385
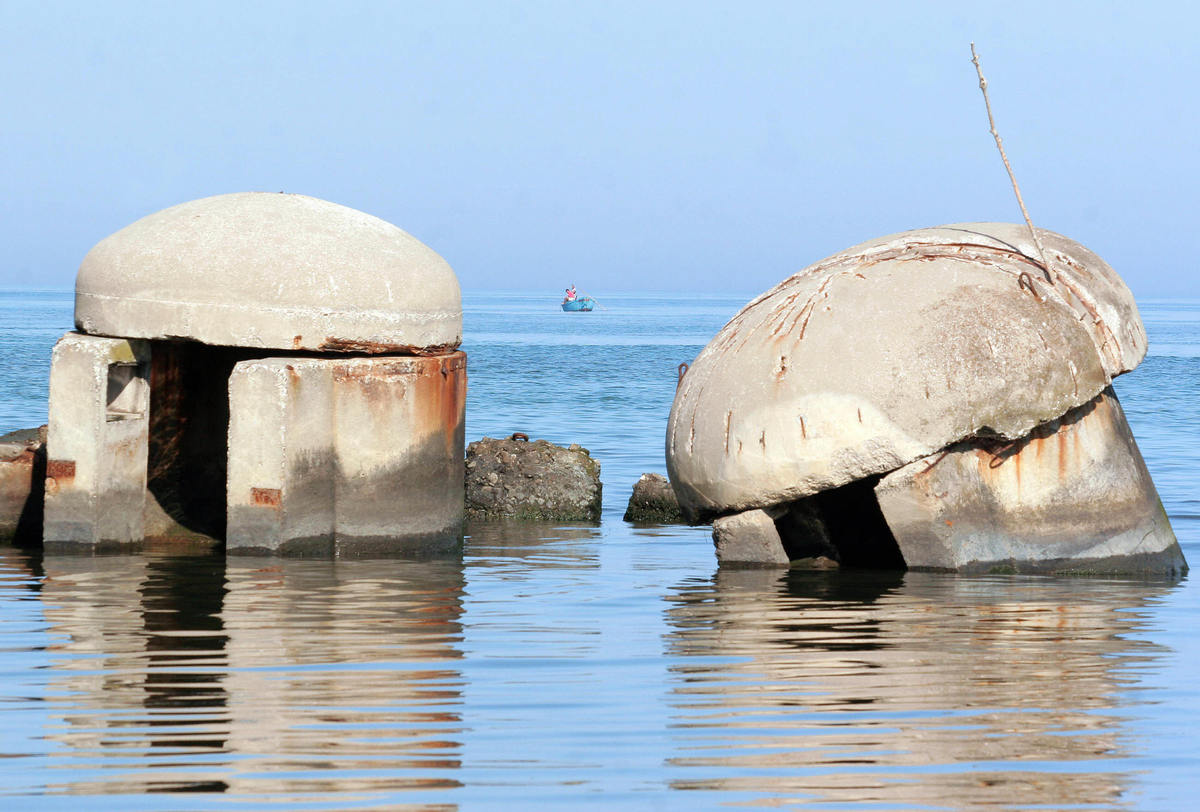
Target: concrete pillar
346 457
749 539
1072 497
96 443
279 488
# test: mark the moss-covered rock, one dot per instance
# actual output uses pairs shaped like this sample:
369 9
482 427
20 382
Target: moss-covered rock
531 481
653 502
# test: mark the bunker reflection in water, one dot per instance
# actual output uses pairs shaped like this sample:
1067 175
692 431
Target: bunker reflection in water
906 689
261 677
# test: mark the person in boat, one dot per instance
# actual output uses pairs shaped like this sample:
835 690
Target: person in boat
570 297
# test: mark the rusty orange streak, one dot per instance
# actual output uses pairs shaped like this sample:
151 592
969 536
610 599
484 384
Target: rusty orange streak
266 497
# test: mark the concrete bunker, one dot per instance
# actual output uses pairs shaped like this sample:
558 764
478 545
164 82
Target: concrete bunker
270 371
935 399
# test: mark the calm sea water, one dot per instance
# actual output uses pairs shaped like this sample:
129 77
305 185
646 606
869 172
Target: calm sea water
609 666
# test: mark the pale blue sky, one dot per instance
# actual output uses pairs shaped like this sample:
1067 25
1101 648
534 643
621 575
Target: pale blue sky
618 145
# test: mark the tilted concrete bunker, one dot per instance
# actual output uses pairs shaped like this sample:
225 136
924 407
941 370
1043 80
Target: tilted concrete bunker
270 370
931 399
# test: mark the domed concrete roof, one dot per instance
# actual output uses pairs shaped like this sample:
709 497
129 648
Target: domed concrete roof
890 351
270 270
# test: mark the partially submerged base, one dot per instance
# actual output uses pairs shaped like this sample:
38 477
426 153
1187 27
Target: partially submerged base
1074 496
346 457
298 455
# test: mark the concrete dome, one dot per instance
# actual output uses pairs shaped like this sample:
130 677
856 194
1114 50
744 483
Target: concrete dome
274 271
891 351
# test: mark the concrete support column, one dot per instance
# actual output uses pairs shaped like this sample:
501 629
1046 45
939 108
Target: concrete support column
1074 496
345 457
279 490
749 539
96 443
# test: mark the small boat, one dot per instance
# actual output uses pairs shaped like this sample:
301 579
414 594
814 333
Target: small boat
583 303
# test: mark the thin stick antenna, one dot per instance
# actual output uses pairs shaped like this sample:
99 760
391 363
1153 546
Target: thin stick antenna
1046 269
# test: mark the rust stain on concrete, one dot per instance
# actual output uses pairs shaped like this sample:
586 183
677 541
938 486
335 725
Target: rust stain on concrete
441 393
266 497
60 469
332 344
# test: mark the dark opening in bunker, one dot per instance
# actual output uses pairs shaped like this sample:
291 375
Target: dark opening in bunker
843 524
125 397
189 427
188 437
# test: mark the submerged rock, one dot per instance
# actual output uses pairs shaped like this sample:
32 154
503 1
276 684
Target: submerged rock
653 501
22 483
535 481
892 352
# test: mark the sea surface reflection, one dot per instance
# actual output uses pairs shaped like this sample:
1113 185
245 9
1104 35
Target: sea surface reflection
363 684
256 677
919 689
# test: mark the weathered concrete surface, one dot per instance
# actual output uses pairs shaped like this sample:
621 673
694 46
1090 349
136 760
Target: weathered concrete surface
1073 496
653 501
96 444
888 352
533 481
272 271
346 457
749 539
22 485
